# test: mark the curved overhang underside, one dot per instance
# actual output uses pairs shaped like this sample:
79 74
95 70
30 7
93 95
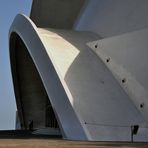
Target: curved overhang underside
88 102
62 14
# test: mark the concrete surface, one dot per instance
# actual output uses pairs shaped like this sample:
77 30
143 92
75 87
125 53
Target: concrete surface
56 13
68 121
88 101
113 17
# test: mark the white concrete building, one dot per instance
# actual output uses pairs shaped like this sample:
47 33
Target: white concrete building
80 69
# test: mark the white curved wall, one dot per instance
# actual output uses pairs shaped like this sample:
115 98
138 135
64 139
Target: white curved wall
88 100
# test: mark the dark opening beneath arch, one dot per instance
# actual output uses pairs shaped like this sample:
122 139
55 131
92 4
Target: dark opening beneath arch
34 107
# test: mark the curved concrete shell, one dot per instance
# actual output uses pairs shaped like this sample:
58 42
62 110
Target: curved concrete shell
55 86
75 83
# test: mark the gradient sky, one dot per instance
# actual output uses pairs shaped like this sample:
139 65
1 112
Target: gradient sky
8 10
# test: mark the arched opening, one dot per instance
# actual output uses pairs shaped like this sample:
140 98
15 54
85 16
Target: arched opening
34 108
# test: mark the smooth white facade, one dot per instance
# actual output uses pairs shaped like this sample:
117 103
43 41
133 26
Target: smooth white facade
94 99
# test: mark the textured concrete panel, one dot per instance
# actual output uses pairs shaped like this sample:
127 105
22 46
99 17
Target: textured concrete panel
127 55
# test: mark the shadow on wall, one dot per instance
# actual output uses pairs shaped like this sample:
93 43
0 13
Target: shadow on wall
114 17
97 96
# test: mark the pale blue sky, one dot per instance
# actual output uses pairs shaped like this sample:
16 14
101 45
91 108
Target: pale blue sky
8 10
